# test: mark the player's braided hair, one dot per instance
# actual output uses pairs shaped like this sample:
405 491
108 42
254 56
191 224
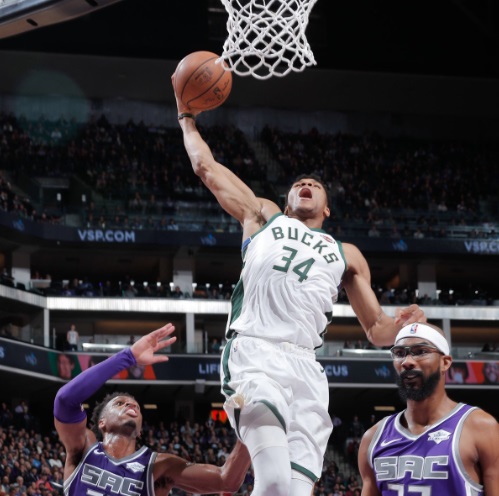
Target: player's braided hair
98 409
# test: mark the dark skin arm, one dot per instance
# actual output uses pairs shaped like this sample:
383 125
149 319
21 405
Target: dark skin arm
173 471
369 487
479 447
233 195
380 329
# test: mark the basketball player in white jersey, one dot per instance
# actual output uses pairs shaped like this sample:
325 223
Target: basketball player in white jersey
276 392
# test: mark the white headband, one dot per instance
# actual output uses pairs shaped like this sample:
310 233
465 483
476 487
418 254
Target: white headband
425 332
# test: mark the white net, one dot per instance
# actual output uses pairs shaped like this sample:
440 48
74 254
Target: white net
267 37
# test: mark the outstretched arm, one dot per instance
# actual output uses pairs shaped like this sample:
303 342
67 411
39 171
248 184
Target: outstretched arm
378 326
204 478
70 418
233 195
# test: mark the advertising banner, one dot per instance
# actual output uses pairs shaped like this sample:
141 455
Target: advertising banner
26 230
25 357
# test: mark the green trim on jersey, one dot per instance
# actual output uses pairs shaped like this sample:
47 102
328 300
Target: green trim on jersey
225 367
237 418
236 305
275 411
304 471
340 247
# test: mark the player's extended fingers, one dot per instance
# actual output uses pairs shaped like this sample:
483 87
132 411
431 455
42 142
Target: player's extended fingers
165 343
163 332
158 359
160 345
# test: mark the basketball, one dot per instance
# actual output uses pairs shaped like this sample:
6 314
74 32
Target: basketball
200 83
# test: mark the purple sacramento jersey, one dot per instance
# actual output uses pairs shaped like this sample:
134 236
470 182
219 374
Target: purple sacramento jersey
428 464
99 474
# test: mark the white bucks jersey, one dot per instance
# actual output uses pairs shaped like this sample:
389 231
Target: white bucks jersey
288 284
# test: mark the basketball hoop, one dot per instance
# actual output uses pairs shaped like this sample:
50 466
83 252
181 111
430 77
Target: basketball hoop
267 37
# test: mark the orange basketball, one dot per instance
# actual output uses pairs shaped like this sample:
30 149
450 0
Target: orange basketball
200 83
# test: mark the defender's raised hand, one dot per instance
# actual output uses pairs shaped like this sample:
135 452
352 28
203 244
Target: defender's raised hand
145 348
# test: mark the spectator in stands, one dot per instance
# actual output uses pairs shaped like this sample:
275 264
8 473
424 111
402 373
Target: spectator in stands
6 415
418 234
177 293
117 423
5 486
215 346
172 225
44 482
489 347
21 415
72 338
352 484
130 291
356 428
6 278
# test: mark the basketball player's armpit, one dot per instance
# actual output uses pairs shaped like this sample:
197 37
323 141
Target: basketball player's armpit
163 482
258 216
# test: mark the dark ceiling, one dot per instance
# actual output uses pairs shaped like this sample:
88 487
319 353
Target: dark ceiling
445 37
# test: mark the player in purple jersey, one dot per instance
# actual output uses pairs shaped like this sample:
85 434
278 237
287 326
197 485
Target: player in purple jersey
113 465
436 447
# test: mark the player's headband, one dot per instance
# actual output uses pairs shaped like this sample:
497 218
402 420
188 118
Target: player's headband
424 332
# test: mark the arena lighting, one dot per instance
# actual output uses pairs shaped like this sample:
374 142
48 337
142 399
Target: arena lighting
381 408
20 16
150 406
